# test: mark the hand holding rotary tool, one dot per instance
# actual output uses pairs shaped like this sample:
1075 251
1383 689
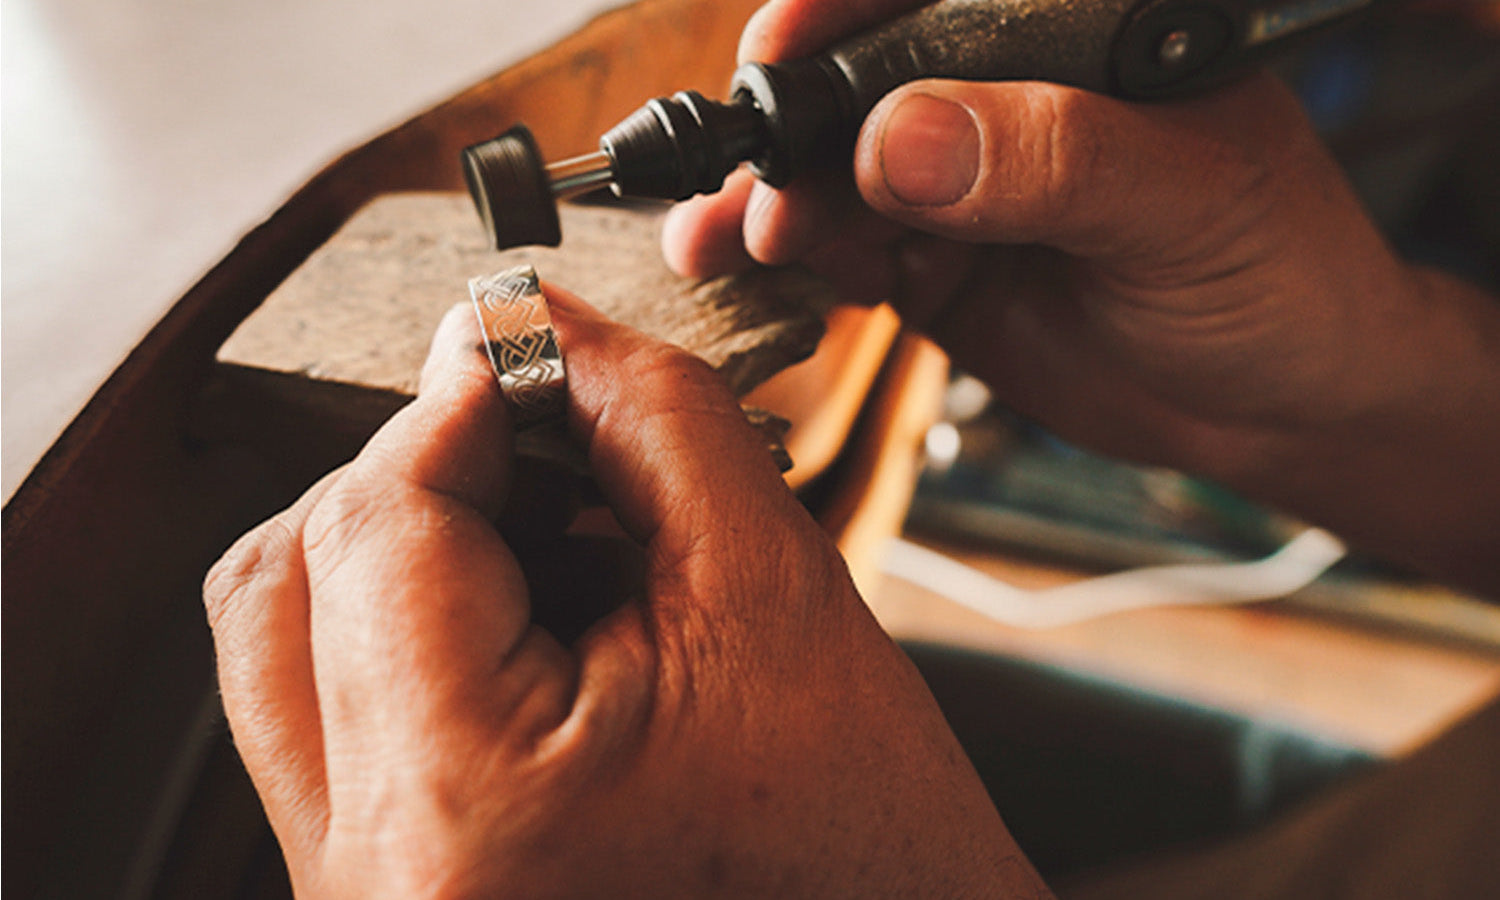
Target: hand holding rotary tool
786 118
1191 283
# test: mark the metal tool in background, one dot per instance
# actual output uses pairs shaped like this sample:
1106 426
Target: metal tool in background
787 118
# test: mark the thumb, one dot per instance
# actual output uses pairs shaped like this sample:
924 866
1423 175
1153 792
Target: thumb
1030 162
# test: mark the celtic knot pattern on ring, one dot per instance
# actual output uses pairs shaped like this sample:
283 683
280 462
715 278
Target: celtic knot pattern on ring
522 344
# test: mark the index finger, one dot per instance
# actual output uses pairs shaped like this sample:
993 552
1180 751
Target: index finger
685 474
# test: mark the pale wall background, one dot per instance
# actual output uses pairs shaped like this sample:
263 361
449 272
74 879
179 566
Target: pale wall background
141 139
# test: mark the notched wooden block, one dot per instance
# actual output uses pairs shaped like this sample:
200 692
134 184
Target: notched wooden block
362 309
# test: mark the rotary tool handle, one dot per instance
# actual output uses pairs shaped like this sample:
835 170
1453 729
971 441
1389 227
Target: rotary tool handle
980 40
1139 49
1136 49
791 117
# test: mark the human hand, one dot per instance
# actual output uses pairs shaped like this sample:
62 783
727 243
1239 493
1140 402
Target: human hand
737 725
1190 284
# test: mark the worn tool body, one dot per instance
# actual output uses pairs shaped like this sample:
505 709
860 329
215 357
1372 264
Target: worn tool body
787 118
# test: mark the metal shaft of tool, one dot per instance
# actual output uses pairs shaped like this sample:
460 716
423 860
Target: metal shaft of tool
581 174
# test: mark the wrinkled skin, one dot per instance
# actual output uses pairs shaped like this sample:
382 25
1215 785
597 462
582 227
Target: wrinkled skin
740 726
1191 284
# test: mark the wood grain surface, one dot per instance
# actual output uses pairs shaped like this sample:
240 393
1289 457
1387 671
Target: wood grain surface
363 307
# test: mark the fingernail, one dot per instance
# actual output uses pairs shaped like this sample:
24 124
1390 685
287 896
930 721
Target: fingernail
929 151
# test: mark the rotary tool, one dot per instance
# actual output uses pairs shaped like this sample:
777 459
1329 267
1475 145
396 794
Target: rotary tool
792 117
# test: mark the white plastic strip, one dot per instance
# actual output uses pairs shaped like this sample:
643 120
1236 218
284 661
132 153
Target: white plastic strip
1289 569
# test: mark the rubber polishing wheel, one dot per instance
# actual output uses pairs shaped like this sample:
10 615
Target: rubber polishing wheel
508 181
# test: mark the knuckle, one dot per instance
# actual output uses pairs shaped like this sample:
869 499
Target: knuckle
1064 156
674 377
339 520
261 554
651 357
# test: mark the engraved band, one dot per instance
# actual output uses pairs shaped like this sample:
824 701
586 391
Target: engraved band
522 345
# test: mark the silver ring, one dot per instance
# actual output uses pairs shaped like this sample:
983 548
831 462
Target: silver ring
522 345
